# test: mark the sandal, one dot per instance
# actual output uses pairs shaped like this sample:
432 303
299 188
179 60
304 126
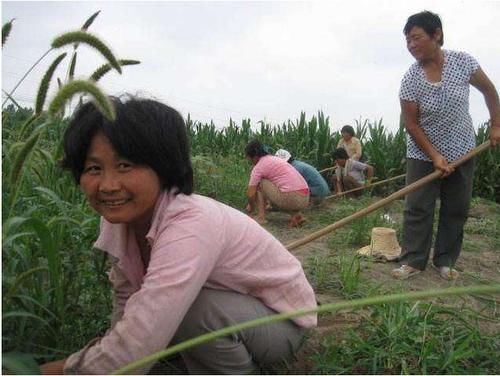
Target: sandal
404 272
296 221
447 273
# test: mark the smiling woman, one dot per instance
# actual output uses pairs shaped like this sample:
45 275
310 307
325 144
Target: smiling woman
182 264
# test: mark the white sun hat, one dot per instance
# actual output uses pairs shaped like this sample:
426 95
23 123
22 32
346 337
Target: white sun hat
384 245
283 154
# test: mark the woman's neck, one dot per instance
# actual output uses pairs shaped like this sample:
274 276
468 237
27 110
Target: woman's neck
436 60
433 66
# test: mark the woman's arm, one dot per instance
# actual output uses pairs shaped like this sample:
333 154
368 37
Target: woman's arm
369 173
252 198
53 368
410 117
481 82
357 150
182 258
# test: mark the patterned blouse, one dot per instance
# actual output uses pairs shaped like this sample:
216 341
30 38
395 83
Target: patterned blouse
353 148
443 106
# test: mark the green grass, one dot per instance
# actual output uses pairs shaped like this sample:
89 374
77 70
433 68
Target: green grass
411 338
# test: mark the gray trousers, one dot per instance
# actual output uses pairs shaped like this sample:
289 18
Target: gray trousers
455 193
244 352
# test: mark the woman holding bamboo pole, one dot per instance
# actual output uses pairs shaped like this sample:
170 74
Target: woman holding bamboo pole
182 264
434 97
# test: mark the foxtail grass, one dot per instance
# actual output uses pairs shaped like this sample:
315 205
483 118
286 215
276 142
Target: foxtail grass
105 68
19 162
45 83
81 86
72 66
90 20
83 37
6 28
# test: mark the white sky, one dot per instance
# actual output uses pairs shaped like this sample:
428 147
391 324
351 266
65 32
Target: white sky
258 60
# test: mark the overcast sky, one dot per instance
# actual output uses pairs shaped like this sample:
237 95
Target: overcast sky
258 60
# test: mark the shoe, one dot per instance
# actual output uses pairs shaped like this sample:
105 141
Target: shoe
447 273
404 272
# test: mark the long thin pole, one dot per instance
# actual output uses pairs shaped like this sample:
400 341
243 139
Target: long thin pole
385 201
365 186
328 169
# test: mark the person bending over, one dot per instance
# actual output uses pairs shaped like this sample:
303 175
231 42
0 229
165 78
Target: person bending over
317 185
274 180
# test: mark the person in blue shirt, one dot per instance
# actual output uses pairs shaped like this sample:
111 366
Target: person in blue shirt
317 185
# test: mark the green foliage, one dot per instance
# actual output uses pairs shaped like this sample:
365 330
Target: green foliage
76 37
49 268
410 338
20 364
6 28
44 85
105 68
80 86
487 174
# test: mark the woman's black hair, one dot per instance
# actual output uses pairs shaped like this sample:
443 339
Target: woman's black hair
347 129
428 21
145 132
340 153
255 149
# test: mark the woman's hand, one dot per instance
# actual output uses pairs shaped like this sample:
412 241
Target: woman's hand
53 368
441 164
495 133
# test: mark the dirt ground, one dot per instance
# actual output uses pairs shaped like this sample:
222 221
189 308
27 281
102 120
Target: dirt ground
479 263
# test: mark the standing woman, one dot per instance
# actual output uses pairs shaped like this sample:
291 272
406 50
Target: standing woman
181 264
434 98
350 143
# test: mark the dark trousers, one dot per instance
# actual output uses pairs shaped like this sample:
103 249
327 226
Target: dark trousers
455 193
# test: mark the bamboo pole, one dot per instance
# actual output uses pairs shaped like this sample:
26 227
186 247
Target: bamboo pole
328 169
383 202
366 186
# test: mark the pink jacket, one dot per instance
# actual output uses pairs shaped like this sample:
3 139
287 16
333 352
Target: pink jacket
195 242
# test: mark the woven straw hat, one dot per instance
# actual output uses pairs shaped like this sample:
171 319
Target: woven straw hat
384 245
283 154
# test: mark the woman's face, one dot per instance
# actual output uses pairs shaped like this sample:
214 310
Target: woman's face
346 136
421 45
118 189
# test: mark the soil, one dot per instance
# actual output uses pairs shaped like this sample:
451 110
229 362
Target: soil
479 263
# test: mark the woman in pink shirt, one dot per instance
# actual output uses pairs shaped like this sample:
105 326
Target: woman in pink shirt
181 264
275 180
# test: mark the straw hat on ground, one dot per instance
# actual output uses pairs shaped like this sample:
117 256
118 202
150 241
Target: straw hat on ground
384 245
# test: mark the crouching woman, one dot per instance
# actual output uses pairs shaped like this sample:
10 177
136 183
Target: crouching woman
182 264
274 181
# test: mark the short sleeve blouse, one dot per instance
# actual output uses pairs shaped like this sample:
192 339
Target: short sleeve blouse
443 107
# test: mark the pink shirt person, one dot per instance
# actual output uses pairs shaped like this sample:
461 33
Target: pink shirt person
195 242
280 173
